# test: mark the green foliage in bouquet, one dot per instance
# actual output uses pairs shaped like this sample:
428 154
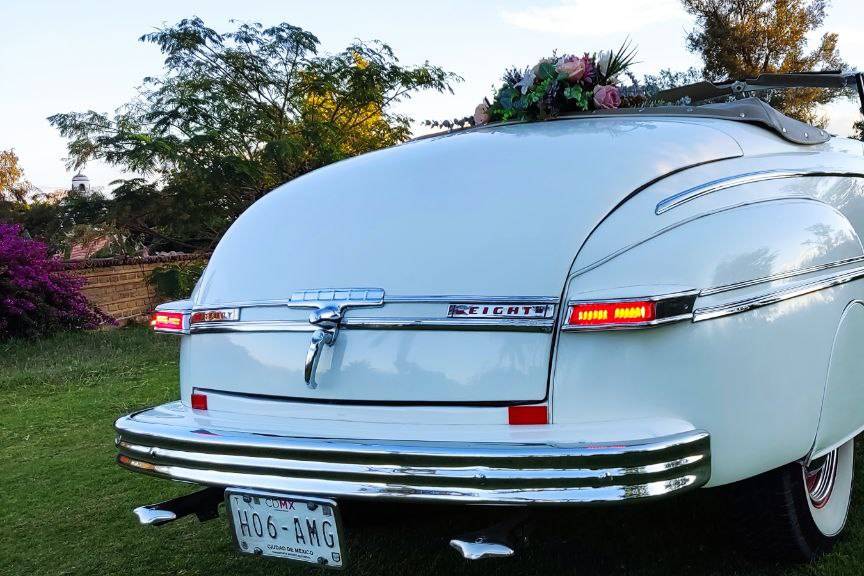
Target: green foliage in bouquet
557 85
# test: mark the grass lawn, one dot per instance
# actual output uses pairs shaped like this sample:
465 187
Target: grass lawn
65 507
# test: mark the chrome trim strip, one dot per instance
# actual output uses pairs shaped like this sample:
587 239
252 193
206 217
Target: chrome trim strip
174 332
747 178
634 326
543 495
688 220
456 324
398 299
780 276
459 472
655 298
488 324
253 326
463 299
399 470
745 305
135 429
355 297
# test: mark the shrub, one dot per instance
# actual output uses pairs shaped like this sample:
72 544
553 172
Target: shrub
36 296
177 279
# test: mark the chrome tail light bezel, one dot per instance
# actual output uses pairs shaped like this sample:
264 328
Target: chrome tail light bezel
668 308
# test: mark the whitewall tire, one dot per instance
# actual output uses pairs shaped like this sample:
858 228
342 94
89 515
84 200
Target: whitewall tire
828 482
799 511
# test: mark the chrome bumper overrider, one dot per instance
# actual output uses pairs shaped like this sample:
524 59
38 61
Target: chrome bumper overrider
487 472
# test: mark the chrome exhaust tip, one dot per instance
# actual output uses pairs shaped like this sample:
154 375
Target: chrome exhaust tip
153 516
203 504
480 548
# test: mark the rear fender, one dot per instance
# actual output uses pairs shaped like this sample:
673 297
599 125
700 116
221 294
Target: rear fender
755 379
842 415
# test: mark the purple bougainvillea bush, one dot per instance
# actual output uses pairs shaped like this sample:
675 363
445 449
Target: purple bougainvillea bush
36 296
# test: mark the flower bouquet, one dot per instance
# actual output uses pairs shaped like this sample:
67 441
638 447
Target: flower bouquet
558 85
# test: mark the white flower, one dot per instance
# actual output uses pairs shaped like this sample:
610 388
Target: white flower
604 58
527 80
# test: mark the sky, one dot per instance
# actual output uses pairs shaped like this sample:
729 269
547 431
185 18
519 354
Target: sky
62 56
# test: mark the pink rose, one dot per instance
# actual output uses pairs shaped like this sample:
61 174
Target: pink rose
589 67
481 113
573 66
607 97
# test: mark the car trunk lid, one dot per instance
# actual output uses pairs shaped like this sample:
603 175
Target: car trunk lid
486 221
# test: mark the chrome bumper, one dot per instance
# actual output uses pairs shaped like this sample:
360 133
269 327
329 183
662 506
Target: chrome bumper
479 473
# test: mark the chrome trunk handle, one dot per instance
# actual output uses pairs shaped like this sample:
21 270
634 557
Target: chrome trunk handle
328 319
314 354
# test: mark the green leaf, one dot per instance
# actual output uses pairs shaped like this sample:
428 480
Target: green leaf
578 96
573 92
621 59
506 96
546 70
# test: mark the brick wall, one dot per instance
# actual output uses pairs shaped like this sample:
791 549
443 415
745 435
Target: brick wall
119 287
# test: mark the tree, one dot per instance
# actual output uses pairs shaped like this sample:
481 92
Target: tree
13 188
39 215
667 78
232 116
743 38
858 130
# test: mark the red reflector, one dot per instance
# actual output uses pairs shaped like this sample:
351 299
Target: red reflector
167 321
606 313
527 415
199 401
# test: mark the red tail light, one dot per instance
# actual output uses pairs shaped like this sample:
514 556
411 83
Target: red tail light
634 312
164 321
199 400
519 415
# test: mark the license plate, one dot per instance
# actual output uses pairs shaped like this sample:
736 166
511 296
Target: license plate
298 528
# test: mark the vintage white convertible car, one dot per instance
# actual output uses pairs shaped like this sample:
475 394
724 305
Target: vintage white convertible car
600 308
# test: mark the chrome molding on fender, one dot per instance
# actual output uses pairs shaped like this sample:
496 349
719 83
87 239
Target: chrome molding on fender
780 276
739 306
681 306
747 178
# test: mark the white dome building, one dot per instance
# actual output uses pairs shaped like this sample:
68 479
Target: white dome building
80 183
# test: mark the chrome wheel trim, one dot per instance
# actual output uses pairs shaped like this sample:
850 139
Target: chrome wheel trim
819 479
828 486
